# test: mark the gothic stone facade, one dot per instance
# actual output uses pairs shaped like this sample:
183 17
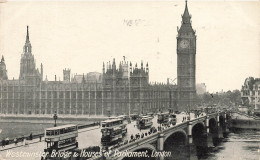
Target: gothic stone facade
250 93
118 90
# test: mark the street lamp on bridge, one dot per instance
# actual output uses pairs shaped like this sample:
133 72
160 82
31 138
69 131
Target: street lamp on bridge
189 112
55 117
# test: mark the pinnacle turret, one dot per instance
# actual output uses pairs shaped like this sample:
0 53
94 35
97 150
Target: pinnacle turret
186 13
3 59
27 46
186 21
27 35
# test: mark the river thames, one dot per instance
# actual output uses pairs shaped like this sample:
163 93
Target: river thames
241 145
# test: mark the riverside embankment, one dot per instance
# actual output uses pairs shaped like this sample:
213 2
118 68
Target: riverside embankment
243 121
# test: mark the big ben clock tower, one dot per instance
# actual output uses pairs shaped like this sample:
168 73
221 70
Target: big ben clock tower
186 63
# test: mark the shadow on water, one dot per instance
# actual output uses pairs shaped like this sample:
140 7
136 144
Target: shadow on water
240 144
177 152
205 153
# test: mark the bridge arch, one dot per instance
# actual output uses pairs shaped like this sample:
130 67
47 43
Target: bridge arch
198 133
180 132
142 148
222 121
199 137
198 123
213 130
213 124
175 143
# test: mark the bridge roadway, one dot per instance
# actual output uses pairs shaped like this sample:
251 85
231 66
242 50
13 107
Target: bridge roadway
86 137
202 132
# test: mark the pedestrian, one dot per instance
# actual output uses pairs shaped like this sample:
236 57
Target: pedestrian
7 141
31 136
15 141
132 137
145 133
24 140
3 143
40 138
26 143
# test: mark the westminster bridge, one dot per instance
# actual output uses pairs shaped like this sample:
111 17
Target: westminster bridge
184 137
202 132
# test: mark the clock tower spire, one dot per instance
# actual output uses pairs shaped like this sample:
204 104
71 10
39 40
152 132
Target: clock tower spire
186 62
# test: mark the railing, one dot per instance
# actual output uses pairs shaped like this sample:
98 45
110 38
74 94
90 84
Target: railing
244 114
21 139
41 135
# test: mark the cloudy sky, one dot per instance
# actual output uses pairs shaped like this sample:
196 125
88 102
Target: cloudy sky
83 35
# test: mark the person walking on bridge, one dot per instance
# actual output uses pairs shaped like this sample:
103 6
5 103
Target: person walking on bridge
7 141
15 141
31 137
3 143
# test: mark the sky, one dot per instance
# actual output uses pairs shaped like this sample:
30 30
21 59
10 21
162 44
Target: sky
82 35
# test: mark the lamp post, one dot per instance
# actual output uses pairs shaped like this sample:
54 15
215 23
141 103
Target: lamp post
160 118
189 112
55 117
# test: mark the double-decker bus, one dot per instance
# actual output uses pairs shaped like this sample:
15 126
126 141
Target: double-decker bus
144 122
163 118
113 131
61 138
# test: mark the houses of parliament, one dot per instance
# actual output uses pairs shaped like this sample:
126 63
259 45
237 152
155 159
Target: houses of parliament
122 88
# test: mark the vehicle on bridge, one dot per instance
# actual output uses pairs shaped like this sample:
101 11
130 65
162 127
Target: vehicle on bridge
144 122
173 120
113 131
126 119
61 138
134 116
163 118
210 109
151 114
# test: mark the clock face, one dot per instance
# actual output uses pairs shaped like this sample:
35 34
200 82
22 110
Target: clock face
184 44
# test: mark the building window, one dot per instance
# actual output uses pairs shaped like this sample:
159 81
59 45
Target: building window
74 94
61 95
67 94
55 94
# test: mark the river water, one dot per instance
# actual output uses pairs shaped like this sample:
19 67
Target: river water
240 145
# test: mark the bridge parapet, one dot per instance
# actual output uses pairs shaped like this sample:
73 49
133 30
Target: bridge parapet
133 145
